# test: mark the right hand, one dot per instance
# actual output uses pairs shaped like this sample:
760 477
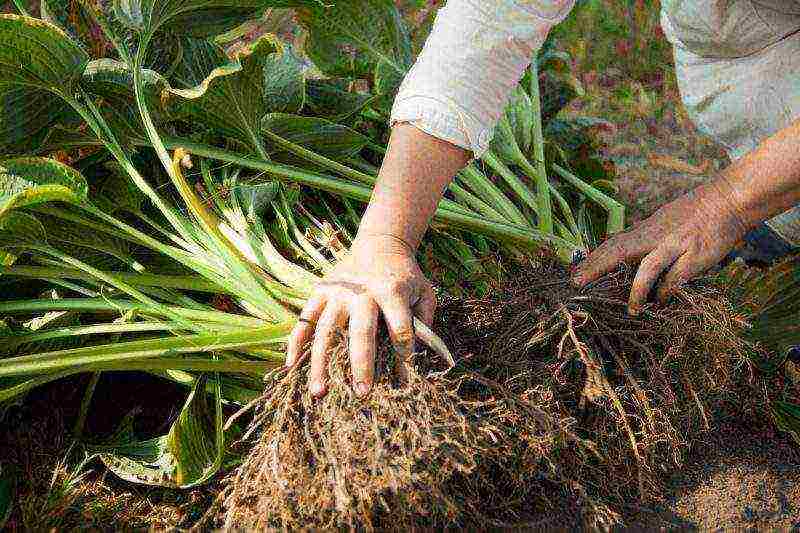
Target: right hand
380 275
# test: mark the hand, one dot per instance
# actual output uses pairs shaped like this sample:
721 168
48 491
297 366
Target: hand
380 274
681 240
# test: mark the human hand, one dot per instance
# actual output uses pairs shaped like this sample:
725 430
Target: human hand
681 240
379 275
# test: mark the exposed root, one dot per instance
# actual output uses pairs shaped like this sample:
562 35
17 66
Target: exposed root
561 409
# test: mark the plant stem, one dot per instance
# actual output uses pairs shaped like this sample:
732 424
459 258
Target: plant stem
105 305
515 183
21 8
85 359
505 232
147 280
616 211
545 211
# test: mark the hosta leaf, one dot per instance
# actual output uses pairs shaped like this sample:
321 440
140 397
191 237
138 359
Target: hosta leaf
284 82
112 81
773 299
31 181
71 17
38 62
234 98
198 18
93 247
787 418
316 134
19 231
333 100
190 454
358 39
118 193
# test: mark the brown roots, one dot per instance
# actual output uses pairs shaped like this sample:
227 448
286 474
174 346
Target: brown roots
562 411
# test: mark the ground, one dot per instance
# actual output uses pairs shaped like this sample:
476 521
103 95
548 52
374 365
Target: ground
743 477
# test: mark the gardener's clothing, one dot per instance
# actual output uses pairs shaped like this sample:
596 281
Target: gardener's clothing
737 62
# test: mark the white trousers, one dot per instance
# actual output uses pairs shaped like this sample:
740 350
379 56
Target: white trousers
738 69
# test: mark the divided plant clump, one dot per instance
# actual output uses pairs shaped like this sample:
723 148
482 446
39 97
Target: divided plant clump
562 411
195 199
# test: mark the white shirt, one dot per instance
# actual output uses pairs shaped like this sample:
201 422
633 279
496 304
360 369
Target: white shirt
476 54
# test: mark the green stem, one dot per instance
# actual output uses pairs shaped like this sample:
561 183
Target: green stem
258 368
481 185
104 305
119 284
515 183
77 430
21 8
11 343
85 359
146 280
616 211
504 232
545 211
344 170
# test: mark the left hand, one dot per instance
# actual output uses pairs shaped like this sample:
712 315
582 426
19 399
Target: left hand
680 241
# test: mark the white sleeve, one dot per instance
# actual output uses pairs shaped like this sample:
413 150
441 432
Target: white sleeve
477 52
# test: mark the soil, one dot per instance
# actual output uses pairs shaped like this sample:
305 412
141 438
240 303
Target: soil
739 478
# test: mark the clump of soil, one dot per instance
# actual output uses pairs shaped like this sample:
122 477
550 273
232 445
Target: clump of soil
561 410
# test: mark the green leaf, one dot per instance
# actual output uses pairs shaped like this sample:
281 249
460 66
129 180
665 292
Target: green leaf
198 18
19 231
118 193
232 99
787 418
112 81
284 82
96 248
316 134
30 181
189 455
333 100
38 63
359 39
72 18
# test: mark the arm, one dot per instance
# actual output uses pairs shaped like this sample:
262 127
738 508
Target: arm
380 274
446 109
692 234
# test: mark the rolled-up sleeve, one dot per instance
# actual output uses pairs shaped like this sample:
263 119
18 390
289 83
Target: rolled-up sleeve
477 52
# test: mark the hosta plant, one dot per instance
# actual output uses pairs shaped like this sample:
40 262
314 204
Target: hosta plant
176 206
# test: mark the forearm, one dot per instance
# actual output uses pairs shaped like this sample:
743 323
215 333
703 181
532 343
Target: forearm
416 170
766 182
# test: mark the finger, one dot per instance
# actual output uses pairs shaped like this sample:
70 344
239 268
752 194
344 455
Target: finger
399 322
425 308
332 318
649 271
363 335
623 248
302 331
681 272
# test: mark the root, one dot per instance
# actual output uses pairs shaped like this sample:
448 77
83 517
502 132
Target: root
560 410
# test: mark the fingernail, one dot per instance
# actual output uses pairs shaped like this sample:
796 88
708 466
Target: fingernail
317 389
362 389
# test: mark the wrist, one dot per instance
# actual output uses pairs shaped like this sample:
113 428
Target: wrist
374 242
721 197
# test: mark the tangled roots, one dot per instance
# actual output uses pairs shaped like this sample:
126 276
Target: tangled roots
561 411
